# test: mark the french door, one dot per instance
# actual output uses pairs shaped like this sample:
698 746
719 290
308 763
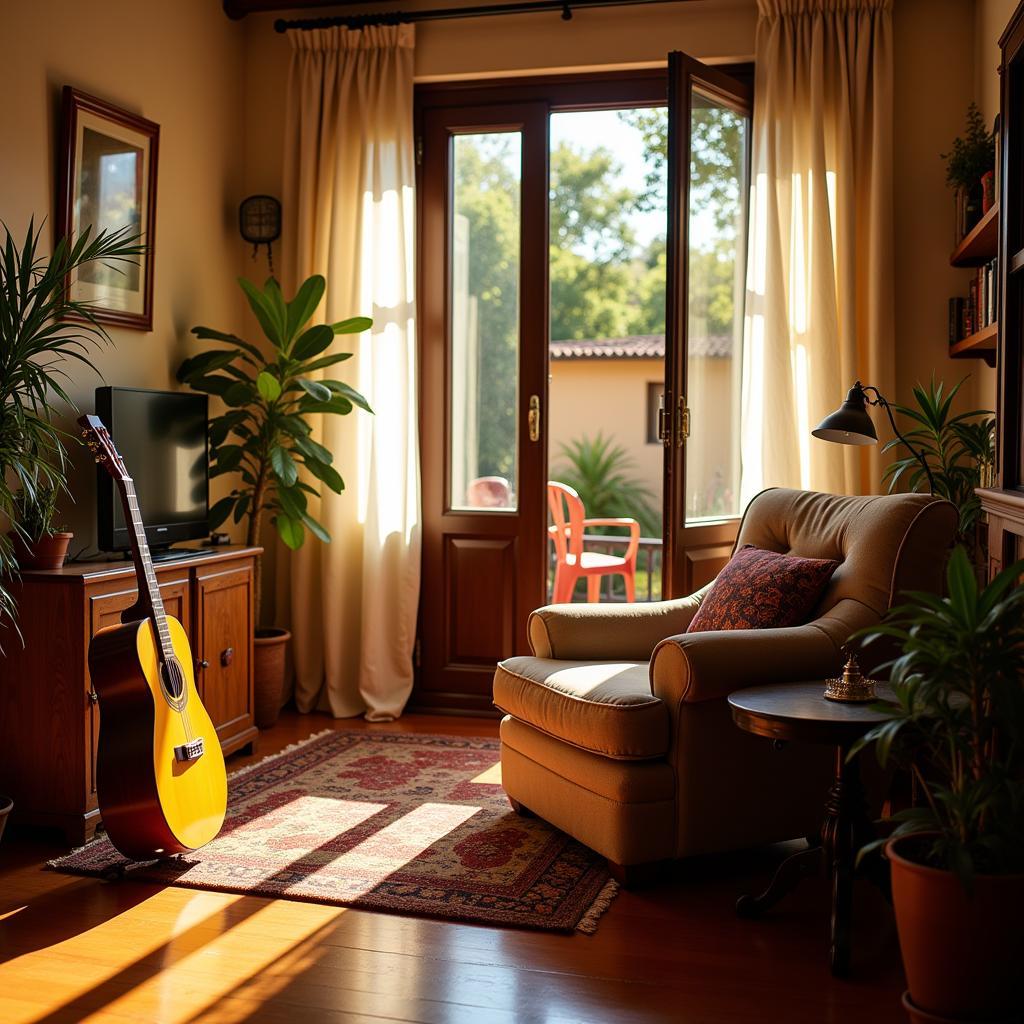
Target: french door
483 317
708 163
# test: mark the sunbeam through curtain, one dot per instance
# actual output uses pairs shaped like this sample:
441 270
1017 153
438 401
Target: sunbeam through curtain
819 305
349 210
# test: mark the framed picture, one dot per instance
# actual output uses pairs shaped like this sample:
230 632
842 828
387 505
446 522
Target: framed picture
108 181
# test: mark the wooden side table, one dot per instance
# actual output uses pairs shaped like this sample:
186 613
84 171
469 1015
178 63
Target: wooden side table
799 712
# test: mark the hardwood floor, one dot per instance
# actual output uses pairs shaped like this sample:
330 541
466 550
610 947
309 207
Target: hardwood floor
84 950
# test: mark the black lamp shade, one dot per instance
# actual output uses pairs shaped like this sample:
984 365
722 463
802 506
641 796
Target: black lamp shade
850 423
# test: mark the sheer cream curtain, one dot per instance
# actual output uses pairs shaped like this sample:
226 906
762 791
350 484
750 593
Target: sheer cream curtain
819 308
349 179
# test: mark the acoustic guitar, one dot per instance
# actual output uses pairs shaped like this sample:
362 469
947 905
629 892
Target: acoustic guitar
161 781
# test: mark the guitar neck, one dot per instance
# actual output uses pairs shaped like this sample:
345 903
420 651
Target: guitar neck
149 588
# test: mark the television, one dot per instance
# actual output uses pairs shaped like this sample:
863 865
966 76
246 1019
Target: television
162 437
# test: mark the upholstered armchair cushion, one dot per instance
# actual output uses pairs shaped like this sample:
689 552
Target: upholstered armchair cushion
605 707
613 632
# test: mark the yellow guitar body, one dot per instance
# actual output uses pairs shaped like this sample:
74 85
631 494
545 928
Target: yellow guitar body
154 801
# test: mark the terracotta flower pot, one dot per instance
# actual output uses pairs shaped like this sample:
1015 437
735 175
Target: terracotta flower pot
48 552
6 806
962 954
270 647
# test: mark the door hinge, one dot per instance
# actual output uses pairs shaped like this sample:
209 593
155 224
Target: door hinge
682 421
663 424
417 653
419 150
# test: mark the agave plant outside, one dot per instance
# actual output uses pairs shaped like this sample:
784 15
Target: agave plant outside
265 434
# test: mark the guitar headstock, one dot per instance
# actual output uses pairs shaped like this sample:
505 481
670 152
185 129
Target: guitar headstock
98 441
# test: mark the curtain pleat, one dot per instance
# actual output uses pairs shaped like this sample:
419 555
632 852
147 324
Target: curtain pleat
349 209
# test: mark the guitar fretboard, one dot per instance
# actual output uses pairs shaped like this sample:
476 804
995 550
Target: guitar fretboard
144 566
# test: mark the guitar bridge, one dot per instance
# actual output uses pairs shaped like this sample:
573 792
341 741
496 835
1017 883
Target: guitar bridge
191 751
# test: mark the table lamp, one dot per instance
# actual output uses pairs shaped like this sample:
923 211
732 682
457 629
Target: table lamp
851 424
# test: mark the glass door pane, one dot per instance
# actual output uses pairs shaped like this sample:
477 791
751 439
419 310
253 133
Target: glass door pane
607 215
716 261
484 271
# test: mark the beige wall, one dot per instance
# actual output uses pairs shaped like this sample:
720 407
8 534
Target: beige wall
934 82
179 64
609 396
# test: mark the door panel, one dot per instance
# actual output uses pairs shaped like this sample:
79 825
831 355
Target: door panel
222 650
708 161
484 359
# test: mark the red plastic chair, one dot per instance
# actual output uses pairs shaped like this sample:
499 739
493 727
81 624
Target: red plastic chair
572 562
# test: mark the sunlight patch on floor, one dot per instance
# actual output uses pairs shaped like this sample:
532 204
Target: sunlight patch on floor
490 777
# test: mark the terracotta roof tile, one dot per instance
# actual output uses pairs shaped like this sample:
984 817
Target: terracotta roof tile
638 346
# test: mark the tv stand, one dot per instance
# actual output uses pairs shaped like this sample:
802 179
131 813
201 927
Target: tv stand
176 554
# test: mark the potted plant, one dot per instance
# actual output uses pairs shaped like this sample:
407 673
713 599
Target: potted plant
957 856
41 330
972 157
959 452
266 435
38 542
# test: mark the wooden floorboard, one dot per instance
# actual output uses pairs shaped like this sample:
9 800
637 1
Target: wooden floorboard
76 949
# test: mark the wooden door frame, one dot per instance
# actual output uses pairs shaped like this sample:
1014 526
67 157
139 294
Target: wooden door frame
690 555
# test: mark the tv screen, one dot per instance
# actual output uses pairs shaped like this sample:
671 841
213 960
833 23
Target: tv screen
161 436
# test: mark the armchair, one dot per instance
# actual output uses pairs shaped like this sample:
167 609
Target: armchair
617 729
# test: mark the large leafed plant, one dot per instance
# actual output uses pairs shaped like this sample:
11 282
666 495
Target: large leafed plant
957 720
265 434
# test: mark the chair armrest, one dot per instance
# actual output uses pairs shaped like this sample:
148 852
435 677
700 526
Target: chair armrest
709 666
634 533
608 632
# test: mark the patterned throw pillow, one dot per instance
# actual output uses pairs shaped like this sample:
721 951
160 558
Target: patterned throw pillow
763 590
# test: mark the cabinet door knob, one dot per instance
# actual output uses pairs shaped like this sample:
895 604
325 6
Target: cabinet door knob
93 697
203 663
227 656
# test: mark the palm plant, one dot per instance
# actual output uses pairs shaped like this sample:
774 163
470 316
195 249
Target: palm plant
600 472
957 720
958 449
266 435
41 329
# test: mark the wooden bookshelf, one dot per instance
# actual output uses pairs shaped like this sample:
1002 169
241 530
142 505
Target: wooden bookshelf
979 245
979 345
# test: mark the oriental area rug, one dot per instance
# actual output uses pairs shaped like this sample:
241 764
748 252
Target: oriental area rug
392 822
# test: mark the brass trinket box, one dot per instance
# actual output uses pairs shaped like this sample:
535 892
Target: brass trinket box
852 687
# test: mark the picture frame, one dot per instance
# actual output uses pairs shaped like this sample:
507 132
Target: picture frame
108 178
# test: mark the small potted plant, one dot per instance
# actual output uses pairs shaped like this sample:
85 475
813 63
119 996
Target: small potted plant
38 542
957 855
266 436
972 157
959 451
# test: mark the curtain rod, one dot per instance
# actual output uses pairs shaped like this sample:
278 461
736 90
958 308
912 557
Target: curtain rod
449 13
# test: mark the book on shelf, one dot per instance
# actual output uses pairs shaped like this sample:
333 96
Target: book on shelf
980 308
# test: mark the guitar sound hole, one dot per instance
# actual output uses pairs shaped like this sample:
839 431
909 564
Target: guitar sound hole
173 678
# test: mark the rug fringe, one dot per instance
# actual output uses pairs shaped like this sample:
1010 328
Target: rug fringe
588 923
245 769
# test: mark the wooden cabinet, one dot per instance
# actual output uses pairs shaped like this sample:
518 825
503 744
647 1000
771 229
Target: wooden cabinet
49 714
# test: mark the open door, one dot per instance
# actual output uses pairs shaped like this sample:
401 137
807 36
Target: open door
483 329
708 190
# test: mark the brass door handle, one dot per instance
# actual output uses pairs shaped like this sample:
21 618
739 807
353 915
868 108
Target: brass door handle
203 663
533 418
